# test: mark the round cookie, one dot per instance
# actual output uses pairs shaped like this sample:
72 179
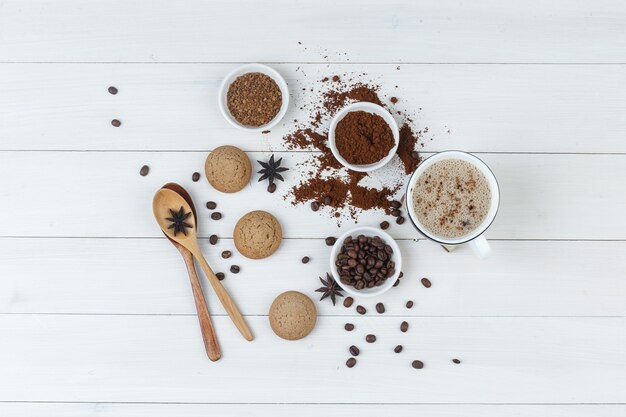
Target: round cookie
228 169
257 235
292 315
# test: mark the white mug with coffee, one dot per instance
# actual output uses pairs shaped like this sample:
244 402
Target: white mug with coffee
452 198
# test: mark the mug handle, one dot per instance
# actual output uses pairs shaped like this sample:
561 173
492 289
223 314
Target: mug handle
480 246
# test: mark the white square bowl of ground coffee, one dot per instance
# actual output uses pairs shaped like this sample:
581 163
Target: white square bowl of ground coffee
253 97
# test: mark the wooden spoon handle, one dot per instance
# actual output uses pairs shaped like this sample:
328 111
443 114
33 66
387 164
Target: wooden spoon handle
222 294
206 326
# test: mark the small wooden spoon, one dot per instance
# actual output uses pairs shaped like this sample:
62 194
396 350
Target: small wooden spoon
166 200
206 327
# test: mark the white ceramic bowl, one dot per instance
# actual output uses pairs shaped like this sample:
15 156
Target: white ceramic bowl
244 69
396 257
370 108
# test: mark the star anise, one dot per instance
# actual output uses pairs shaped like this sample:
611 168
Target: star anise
330 288
178 221
271 170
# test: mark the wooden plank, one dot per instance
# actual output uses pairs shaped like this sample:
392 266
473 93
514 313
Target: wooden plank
486 108
161 358
393 31
305 410
90 194
139 276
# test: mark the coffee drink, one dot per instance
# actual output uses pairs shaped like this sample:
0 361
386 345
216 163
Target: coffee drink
451 198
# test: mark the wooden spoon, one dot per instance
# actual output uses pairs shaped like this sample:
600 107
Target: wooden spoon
166 200
206 327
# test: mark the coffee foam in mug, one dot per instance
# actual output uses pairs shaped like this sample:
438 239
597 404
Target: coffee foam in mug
451 198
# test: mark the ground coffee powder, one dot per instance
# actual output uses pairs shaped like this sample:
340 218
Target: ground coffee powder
254 99
363 138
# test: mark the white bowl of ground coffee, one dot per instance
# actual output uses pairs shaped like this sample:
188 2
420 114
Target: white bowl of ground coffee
363 136
253 97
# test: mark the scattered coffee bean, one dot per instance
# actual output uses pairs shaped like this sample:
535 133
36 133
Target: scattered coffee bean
364 262
211 205
235 269
395 212
220 276
370 338
401 274
330 241
349 327
315 205
271 188
328 200
350 362
226 254
396 204
195 177
144 170
116 123
409 304
112 90
395 284
456 361
354 351
384 225
415 155
400 220
404 327
306 260
417 364
348 302
398 349
380 308
216 216
213 239
426 282
361 310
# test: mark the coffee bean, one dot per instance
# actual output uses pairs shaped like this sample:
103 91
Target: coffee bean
315 205
417 364
216 216
409 304
116 123
395 284
361 310
404 327
144 170
328 200
211 205
112 90
195 177
226 254
235 269
401 274
456 361
350 362
330 241
306 260
395 212
415 155
271 188
370 338
213 239
384 225
400 220
380 308
398 349
349 327
348 302
354 351
426 282
396 204
220 276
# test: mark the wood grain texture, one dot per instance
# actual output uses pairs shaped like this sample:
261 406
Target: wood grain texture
146 276
486 108
390 31
161 358
542 196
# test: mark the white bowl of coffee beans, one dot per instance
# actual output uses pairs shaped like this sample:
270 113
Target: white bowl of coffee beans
253 97
365 261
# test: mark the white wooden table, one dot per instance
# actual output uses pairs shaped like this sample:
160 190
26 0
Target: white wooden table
96 313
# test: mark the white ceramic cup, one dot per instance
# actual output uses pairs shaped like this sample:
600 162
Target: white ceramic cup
475 238
370 108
